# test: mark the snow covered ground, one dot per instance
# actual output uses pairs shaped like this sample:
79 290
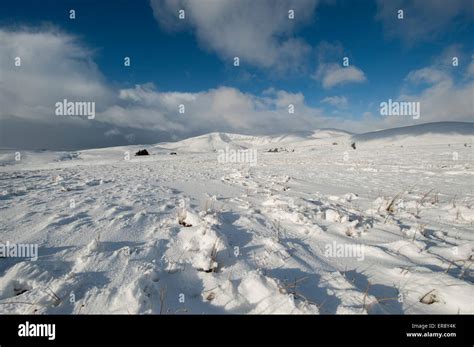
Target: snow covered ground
313 226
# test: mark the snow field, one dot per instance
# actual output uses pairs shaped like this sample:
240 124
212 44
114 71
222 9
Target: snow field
325 229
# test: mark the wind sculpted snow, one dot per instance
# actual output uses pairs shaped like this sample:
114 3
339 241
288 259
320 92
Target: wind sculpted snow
316 227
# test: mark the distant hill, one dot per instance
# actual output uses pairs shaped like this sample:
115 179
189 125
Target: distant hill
429 133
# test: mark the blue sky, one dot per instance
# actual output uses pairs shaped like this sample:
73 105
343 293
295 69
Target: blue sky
195 58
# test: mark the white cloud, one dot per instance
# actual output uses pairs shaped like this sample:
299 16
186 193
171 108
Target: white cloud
337 101
54 66
258 32
443 99
280 99
220 109
144 114
28 95
470 69
423 19
333 74
428 75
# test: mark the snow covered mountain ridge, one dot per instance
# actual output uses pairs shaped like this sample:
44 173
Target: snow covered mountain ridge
433 132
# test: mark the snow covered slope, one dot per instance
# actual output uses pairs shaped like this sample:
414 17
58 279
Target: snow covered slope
205 143
422 134
324 229
215 141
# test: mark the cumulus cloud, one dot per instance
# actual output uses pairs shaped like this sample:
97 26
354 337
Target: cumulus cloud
145 114
331 74
220 109
443 91
443 99
337 101
54 66
428 75
423 20
32 89
258 32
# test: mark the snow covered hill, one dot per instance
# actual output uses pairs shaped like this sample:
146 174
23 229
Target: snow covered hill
215 141
422 134
316 227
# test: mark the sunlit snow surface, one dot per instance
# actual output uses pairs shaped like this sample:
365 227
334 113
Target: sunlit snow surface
256 237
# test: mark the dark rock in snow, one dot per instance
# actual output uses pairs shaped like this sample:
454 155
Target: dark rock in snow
142 152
